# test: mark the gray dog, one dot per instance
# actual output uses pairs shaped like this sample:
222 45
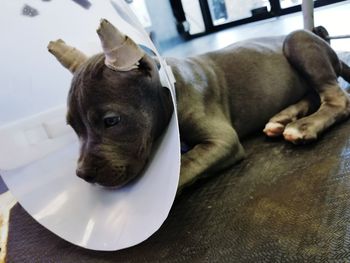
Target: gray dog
118 107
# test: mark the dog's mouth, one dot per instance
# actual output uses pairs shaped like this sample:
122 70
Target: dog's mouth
111 178
114 181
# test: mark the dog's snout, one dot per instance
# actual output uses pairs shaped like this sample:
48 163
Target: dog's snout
86 175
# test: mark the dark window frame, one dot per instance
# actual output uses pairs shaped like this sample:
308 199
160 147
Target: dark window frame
275 11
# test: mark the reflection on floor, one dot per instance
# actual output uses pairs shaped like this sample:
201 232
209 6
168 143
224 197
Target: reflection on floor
333 17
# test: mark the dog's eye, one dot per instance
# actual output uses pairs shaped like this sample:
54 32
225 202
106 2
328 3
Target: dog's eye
110 121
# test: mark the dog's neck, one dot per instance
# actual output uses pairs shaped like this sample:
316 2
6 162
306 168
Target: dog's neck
163 111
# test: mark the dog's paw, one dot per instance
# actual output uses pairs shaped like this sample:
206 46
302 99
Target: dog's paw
299 136
273 129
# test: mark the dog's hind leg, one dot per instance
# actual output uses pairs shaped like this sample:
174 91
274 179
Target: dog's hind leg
315 60
276 125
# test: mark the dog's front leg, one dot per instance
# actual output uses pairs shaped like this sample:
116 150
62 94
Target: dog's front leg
217 146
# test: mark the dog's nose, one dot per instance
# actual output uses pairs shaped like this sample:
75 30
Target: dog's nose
87 176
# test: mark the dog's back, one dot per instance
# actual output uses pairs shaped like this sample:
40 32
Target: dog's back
251 79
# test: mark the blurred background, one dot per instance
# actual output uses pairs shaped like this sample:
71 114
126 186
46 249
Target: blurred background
178 28
174 22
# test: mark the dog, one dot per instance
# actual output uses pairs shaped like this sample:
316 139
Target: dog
118 107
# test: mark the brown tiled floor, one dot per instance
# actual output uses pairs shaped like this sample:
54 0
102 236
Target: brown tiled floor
284 203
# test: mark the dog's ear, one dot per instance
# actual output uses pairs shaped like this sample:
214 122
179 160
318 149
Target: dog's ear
121 52
148 65
70 57
156 60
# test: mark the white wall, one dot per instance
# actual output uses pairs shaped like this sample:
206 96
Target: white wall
31 78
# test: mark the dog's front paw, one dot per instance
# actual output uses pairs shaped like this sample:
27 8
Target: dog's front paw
299 134
274 129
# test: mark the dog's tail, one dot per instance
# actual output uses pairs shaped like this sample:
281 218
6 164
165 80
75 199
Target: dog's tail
345 71
344 68
322 33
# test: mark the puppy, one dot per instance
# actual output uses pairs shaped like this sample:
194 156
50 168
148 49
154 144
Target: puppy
118 107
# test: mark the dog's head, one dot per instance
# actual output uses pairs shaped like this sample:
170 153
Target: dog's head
116 105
